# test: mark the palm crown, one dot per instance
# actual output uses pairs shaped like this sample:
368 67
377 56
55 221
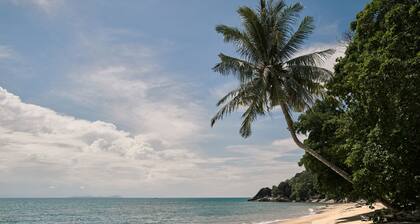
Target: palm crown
269 73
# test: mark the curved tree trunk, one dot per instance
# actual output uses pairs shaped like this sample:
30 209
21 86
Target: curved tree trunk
310 151
313 153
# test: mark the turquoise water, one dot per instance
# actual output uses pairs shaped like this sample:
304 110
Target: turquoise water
147 211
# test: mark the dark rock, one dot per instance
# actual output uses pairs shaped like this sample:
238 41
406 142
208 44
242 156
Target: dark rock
408 216
282 199
263 193
364 218
265 199
317 196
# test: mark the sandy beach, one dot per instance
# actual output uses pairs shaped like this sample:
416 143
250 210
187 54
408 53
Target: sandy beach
336 213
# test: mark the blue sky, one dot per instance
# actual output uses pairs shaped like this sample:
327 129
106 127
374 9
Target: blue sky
134 74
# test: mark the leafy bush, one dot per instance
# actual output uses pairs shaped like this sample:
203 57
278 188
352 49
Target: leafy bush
369 121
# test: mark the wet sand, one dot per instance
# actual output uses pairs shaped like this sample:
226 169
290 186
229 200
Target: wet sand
347 213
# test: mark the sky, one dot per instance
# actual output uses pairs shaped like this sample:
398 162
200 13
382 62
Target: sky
103 98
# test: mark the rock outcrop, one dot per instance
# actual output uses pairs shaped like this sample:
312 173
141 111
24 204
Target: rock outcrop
263 193
300 188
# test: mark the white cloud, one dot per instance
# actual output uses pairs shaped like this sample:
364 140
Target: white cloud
221 90
266 153
264 164
43 153
40 145
284 144
124 81
146 104
329 63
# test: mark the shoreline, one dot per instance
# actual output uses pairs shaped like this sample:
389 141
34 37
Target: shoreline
347 213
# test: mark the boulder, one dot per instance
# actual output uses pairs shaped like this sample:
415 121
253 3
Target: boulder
263 193
265 199
282 199
331 201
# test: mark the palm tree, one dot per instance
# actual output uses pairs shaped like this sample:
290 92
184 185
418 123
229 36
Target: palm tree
270 76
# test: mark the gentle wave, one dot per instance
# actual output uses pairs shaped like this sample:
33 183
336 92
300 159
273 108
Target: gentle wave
139 210
312 211
271 222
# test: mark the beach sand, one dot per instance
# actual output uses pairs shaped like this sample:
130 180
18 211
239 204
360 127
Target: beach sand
346 213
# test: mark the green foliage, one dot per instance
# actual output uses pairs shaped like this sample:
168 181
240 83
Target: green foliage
369 122
267 71
325 126
303 186
284 189
275 191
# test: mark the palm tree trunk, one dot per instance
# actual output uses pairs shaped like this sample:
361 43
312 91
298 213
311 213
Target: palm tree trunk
310 151
313 153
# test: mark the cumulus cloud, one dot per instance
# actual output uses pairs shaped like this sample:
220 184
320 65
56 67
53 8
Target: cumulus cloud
329 63
43 153
40 145
124 81
149 105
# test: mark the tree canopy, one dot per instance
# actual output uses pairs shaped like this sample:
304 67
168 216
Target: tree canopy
369 121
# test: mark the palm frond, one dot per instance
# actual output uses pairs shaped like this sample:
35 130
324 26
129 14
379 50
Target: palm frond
276 89
298 96
229 95
263 9
276 7
304 85
226 109
228 65
287 18
244 45
312 73
288 15
296 40
312 59
241 96
255 30
248 117
230 33
244 88
267 73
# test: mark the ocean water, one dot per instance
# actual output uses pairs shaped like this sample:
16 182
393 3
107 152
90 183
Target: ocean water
147 211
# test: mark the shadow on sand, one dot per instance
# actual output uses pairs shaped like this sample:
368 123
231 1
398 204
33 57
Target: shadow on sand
354 218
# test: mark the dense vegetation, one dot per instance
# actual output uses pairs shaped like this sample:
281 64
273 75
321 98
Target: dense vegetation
369 121
364 128
301 187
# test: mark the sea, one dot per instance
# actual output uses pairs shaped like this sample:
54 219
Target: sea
148 210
